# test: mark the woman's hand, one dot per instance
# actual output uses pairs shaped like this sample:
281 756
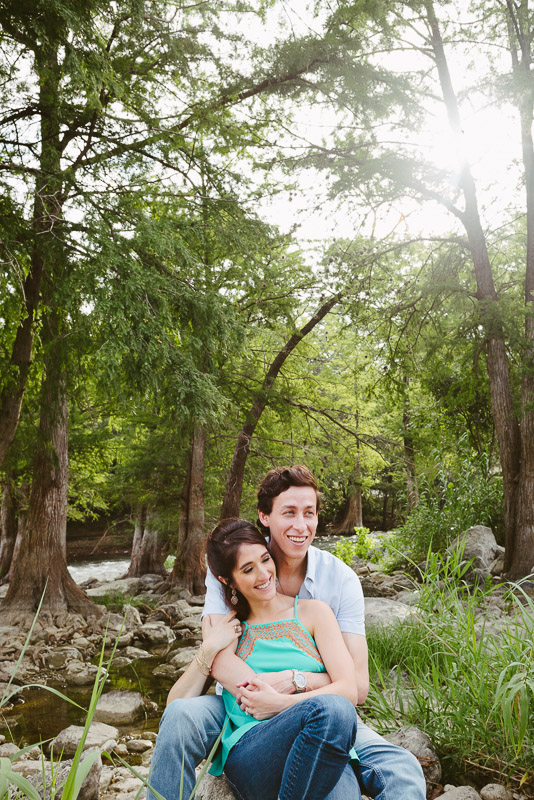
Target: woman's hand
219 634
260 700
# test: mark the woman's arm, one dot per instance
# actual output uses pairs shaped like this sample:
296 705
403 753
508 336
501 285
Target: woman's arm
262 701
218 634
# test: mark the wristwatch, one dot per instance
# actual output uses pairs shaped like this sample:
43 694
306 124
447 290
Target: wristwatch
299 681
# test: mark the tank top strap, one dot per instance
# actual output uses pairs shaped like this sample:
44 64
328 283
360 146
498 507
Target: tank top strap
296 601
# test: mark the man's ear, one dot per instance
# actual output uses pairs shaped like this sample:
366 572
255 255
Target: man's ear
263 518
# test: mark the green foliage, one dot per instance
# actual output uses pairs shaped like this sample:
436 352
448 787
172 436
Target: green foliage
453 501
449 673
348 550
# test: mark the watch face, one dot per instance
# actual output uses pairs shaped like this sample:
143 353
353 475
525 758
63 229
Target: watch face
300 680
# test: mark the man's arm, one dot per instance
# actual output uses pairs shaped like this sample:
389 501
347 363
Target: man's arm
357 647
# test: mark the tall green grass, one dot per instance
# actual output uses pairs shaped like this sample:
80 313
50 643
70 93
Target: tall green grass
470 689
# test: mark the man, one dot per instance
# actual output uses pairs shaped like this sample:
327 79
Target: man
288 505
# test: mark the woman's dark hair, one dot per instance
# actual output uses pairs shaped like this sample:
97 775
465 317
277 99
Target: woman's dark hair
280 479
222 548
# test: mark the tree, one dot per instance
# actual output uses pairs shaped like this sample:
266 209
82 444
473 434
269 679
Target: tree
385 174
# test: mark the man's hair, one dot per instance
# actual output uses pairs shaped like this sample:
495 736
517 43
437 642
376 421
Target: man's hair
279 479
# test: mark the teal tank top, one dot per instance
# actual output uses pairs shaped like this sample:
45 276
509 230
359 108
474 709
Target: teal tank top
270 647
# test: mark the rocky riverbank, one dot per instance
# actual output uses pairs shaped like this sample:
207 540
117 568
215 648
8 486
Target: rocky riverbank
166 629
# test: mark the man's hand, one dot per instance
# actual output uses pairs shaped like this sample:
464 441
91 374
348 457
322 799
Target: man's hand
260 700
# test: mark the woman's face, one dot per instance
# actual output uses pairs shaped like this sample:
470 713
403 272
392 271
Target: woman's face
255 573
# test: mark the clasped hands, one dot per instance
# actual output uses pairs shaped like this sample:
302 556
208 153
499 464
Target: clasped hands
263 697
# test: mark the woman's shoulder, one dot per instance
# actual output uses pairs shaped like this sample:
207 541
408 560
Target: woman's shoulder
313 608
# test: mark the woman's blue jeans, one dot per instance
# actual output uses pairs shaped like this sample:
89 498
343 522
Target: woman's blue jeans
300 754
190 726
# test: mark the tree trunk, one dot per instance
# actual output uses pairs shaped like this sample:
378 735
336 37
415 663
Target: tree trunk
47 214
353 516
519 554
190 568
148 547
409 450
41 563
8 526
234 482
514 442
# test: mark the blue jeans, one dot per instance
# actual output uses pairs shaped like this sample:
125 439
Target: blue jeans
385 771
300 754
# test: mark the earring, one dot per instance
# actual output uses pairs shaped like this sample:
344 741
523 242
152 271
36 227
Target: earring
234 601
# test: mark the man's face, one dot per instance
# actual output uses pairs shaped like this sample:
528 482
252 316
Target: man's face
293 521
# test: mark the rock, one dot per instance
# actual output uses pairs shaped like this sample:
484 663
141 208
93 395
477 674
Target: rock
122 661
119 708
135 652
194 623
477 543
150 581
171 613
384 612
55 777
154 633
495 791
167 671
462 793
139 745
100 735
376 586
7 750
126 639
79 674
122 587
212 788
408 598
132 618
420 745
183 657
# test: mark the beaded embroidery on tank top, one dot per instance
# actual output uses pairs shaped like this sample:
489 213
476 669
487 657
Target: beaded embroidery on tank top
290 629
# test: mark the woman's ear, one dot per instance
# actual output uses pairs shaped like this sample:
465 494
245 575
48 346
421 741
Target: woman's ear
223 580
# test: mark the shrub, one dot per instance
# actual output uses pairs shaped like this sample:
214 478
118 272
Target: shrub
349 549
451 504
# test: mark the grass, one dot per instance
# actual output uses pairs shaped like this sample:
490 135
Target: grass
471 690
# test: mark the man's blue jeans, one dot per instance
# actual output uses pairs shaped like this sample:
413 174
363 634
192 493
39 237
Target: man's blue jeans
385 771
300 754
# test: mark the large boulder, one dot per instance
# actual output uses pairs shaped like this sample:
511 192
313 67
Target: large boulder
55 777
420 745
124 586
155 633
119 708
100 735
479 544
380 611
212 788
79 674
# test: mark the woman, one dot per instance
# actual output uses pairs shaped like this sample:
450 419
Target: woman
291 747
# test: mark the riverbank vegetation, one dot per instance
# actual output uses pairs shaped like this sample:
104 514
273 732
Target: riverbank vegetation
462 672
